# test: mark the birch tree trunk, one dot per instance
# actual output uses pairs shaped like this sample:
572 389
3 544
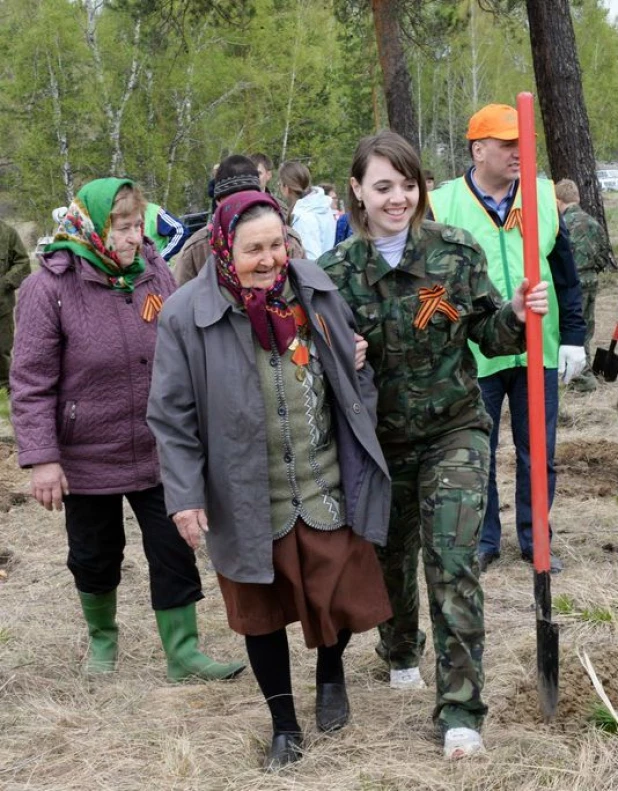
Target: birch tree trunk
117 158
114 115
395 73
183 124
186 119
288 109
419 103
450 102
61 135
474 56
149 178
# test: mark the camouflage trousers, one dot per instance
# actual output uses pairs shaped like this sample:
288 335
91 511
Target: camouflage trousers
439 496
586 380
6 346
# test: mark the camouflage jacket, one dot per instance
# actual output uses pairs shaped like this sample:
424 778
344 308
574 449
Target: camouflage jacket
426 375
588 242
14 266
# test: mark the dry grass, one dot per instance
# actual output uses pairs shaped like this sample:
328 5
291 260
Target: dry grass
63 732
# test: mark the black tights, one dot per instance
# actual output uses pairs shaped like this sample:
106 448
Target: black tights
270 660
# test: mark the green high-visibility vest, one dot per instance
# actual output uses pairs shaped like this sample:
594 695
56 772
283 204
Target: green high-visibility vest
456 204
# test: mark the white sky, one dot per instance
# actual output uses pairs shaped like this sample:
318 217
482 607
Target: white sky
613 7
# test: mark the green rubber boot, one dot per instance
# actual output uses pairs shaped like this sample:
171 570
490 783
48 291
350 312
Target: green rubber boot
178 631
100 613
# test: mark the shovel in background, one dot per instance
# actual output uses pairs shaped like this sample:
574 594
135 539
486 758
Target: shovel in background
606 361
546 631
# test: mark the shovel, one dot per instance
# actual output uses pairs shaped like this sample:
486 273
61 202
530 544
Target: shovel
546 631
606 361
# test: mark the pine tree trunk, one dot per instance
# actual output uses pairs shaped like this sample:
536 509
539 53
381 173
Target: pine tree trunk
397 84
561 97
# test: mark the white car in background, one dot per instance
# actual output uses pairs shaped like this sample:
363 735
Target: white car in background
608 180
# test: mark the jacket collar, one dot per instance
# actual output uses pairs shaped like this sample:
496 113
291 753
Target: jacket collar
59 261
210 305
377 267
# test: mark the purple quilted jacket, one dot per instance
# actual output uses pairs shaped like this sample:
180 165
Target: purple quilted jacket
81 371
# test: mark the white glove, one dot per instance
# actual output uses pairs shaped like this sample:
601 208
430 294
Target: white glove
571 362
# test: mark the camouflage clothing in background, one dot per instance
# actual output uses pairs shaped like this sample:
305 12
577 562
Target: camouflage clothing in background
14 268
434 432
592 254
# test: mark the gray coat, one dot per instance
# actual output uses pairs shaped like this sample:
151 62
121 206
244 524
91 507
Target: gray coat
207 412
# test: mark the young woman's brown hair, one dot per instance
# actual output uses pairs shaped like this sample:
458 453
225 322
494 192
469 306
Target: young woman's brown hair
402 157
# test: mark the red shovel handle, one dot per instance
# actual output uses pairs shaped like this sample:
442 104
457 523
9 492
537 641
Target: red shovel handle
534 337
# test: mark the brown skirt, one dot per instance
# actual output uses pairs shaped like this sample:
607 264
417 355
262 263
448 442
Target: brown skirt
327 580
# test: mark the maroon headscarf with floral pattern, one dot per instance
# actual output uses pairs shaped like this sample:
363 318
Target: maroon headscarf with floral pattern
267 310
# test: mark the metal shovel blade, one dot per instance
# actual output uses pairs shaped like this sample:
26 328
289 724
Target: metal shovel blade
605 364
547 648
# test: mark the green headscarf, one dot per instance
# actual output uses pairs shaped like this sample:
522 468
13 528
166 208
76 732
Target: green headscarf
86 231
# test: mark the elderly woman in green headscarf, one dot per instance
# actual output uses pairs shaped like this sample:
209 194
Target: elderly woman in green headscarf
86 328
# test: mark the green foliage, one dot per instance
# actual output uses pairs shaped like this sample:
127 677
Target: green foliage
597 615
179 15
293 78
5 635
603 719
5 409
596 41
564 604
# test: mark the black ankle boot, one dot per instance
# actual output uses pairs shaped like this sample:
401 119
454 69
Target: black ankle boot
332 708
285 749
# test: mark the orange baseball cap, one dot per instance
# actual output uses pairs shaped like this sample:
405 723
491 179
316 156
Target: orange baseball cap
494 120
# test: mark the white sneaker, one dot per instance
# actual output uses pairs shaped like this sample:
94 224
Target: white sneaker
407 678
462 743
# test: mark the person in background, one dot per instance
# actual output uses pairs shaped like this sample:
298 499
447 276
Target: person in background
264 418
210 187
14 269
331 192
166 231
84 346
235 174
344 228
309 209
419 293
486 201
592 255
264 165
59 214
429 180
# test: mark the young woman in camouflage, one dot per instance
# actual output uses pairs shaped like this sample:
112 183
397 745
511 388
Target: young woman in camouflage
419 291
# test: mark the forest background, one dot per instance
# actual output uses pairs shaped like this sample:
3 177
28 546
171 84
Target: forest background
90 88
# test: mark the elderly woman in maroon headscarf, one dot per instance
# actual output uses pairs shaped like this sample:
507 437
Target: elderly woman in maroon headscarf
266 438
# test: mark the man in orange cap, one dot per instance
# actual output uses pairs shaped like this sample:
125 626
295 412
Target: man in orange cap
487 202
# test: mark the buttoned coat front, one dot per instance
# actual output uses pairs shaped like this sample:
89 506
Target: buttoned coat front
207 412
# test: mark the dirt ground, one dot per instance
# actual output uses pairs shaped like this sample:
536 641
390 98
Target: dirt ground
61 731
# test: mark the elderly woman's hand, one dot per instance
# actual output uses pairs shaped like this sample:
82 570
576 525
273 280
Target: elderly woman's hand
360 353
191 524
536 299
47 485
